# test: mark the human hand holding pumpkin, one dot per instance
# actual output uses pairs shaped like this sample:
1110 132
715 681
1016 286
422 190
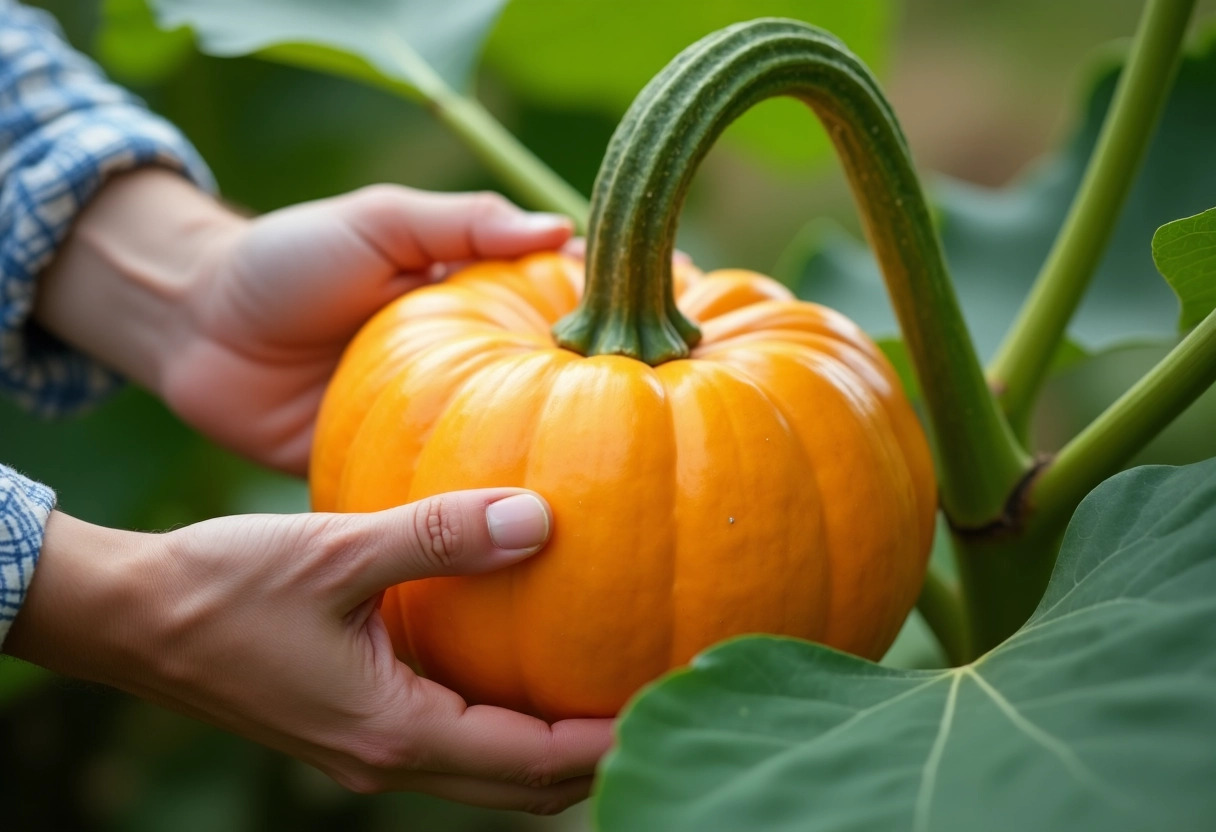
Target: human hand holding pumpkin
266 625
237 324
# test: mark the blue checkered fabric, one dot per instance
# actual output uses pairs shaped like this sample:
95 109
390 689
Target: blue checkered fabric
24 508
64 130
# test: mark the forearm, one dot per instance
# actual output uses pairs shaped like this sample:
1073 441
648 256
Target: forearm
115 290
70 614
65 132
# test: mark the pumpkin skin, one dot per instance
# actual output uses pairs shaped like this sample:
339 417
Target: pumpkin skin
775 481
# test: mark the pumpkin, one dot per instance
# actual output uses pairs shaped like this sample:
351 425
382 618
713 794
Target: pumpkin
720 457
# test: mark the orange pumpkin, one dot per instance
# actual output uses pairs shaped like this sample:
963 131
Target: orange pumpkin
720 457
775 481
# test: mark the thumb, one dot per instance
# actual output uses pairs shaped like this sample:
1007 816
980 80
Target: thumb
460 533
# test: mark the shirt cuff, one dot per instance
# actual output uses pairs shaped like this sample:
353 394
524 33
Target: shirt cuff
25 506
64 131
39 203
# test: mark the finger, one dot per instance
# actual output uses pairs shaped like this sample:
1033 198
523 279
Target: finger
460 533
576 247
499 744
493 794
415 229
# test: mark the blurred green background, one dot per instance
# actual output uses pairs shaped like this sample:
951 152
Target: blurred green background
982 89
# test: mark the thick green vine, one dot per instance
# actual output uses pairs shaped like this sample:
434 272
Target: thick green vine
628 307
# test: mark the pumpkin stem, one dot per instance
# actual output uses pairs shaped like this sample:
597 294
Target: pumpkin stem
628 307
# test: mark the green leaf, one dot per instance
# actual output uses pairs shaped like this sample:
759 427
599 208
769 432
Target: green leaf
996 240
19 679
1185 253
1098 714
413 46
134 49
598 54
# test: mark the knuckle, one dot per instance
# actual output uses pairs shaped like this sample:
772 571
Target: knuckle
377 196
332 535
438 533
364 783
381 754
334 542
548 806
537 776
488 203
541 772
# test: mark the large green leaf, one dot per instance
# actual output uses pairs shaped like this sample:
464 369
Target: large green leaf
404 44
1098 714
996 240
134 49
598 54
1185 254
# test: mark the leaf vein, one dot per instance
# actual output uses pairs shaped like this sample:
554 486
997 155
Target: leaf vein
928 780
1048 741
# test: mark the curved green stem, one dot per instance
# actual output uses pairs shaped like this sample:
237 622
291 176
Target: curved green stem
1018 369
525 175
942 608
1126 426
647 171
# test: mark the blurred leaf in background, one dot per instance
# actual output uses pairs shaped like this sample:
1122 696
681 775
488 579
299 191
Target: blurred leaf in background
598 54
398 42
134 49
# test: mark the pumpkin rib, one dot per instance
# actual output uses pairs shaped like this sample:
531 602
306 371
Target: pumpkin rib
861 406
901 418
719 409
610 521
543 281
478 440
725 290
905 425
824 545
456 298
797 318
673 611
390 404
516 607
495 291
357 385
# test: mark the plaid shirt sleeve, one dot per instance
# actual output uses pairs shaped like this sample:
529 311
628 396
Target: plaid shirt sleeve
24 508
64 130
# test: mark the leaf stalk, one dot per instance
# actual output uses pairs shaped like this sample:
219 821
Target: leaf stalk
1021 363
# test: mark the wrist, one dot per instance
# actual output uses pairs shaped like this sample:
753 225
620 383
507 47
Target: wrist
84 600
117 288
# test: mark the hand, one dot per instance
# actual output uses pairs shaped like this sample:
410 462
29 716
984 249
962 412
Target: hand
238 324
266 625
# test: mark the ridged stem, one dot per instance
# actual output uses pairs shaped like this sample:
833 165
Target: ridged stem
628 307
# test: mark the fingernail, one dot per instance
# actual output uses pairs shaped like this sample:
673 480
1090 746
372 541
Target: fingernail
535 223
518 522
